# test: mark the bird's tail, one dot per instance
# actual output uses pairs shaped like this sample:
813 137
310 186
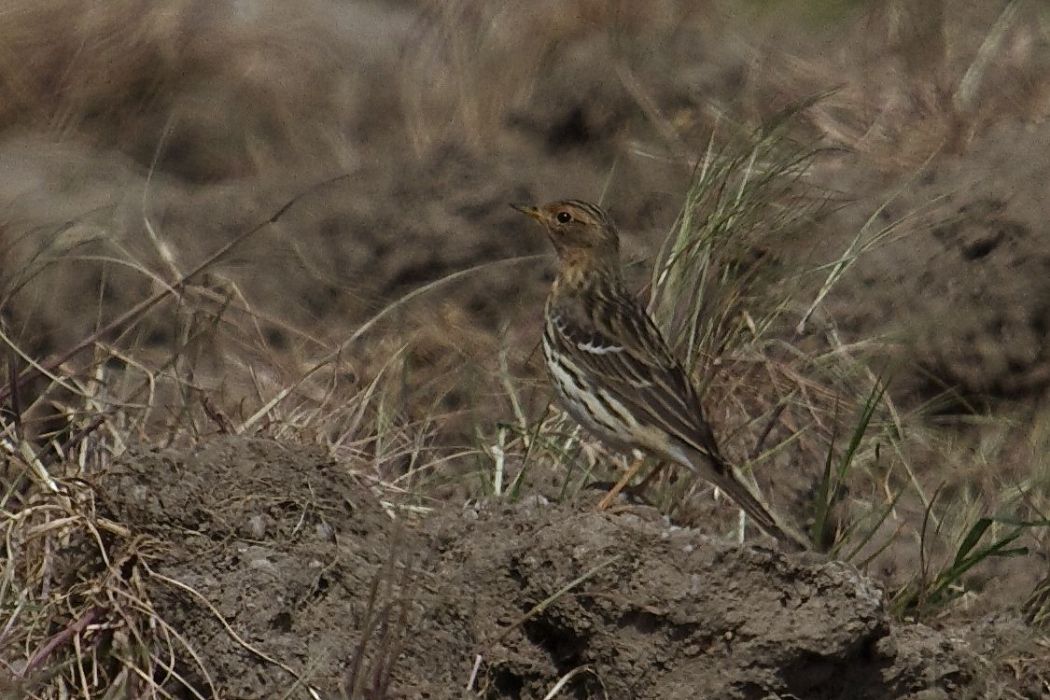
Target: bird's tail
738 490
712 467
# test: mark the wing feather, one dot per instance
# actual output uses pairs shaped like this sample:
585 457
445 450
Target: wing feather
618 341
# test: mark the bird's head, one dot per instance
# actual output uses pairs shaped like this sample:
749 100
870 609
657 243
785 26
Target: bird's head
580 231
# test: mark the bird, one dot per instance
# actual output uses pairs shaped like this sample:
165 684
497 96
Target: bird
613 371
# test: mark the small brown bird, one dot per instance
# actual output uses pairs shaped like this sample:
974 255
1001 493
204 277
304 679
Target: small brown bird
610 366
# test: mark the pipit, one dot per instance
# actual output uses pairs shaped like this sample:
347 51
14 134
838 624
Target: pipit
611 368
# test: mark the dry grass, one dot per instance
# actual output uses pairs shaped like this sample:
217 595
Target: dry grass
182 78
921 79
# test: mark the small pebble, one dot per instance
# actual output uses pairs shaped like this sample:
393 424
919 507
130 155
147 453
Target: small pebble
257 526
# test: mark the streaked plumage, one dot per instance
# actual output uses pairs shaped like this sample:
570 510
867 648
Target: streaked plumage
611 368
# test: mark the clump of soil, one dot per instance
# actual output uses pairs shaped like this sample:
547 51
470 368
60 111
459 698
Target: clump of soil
281 570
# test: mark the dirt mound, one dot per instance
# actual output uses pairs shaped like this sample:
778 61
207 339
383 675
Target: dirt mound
280 570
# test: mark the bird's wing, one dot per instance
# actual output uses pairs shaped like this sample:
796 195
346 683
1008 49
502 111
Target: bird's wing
615 340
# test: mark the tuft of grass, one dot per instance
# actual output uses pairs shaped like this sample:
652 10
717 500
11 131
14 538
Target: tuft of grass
710 282
832 483
370 672
930 592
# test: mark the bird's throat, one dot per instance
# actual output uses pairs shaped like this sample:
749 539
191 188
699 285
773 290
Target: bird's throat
582 268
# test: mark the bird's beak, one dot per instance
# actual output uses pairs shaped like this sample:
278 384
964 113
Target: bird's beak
529 211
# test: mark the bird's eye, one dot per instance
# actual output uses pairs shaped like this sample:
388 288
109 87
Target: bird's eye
564 217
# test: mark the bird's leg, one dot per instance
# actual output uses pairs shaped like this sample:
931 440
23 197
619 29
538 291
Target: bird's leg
649 479
622 483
